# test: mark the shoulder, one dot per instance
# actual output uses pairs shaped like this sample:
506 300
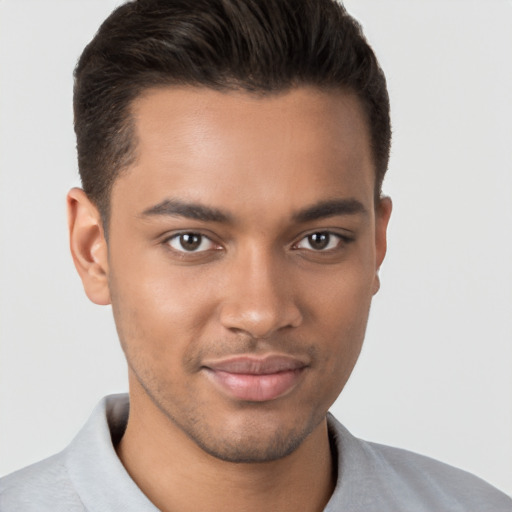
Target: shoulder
437 483
384 478
43 486
86 475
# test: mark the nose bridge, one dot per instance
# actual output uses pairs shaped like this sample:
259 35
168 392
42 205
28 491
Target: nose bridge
259 298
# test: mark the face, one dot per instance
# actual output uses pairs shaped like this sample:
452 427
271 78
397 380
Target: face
243 252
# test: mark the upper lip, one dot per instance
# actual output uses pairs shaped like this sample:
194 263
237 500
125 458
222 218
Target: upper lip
253 365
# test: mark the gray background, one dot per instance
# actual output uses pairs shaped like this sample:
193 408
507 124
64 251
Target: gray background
435 375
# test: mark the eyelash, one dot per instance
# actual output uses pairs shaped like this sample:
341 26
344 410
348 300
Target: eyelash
341 240
329 235
178 238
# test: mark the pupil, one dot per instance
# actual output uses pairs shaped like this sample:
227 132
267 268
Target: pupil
190 241
319 240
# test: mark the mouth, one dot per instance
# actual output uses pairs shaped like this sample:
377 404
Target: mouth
256 379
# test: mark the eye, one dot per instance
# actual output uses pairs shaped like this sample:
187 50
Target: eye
191 242
320 241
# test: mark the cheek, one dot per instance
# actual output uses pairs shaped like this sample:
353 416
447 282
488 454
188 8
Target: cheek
340 296
345 334
158 314
343 346
341 314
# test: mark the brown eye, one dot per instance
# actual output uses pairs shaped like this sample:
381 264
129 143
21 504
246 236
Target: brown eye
320 241
190 242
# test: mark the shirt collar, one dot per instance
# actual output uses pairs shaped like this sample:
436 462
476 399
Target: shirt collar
98 475
103 483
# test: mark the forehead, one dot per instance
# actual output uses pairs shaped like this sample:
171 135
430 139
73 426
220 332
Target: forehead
206 145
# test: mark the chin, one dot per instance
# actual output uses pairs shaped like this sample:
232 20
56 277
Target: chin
252 436
252 446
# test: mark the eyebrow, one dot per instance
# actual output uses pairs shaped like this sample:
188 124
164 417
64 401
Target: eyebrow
320 210
330 208
176 208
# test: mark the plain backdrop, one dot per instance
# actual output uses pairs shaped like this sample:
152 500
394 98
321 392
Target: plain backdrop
435 375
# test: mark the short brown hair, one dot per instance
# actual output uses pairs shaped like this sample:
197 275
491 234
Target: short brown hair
254 45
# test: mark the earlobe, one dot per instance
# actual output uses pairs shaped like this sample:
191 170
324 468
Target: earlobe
382 216
376 282
88 246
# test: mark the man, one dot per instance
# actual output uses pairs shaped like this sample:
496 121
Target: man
232 156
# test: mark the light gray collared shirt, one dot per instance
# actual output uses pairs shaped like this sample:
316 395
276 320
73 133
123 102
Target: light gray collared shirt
89 477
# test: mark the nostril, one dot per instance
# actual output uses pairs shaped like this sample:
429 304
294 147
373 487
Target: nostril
261 322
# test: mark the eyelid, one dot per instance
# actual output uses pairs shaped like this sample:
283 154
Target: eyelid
342 239
176 235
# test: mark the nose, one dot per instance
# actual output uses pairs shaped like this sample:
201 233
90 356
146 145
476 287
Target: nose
259 298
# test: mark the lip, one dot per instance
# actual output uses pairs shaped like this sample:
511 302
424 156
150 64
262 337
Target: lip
256 379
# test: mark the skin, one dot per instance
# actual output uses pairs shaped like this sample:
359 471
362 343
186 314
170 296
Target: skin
259 283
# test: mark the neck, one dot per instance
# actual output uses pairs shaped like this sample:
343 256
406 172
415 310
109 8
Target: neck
176 474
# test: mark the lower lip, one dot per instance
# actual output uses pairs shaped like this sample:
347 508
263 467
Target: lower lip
256 388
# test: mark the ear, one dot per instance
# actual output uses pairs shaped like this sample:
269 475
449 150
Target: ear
382 215
88 246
